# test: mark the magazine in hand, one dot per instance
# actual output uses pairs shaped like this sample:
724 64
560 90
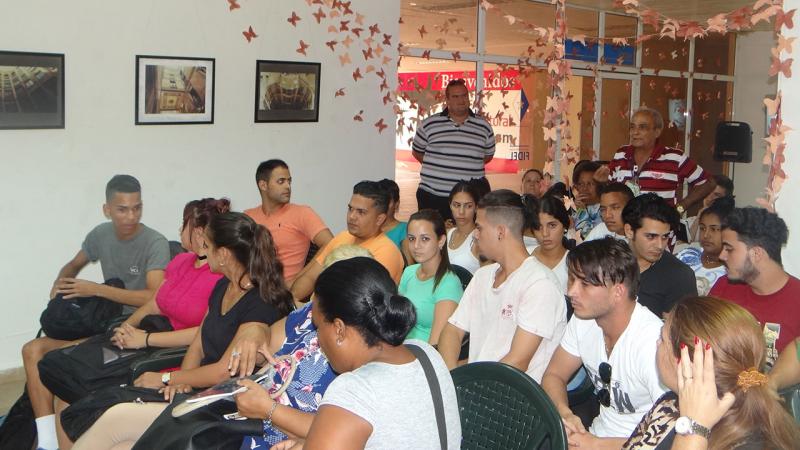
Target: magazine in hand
230 387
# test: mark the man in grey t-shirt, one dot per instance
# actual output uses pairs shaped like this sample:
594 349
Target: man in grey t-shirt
126 249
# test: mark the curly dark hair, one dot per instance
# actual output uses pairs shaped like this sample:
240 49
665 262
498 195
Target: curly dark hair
757 227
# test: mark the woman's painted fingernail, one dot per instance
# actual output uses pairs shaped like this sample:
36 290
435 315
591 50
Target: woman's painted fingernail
708 346
683 346
696 340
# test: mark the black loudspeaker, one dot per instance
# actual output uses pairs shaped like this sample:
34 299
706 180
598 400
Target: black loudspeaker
734 142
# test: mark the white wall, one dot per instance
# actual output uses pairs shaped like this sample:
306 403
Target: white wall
751 84
787 209
53 180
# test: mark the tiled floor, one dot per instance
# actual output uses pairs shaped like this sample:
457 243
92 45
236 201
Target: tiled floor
9 393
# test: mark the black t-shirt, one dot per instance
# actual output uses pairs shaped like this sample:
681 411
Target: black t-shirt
218 330
666 282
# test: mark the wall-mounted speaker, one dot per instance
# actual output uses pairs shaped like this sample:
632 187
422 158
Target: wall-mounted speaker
734 142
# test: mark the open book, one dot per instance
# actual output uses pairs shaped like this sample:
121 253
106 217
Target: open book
230 387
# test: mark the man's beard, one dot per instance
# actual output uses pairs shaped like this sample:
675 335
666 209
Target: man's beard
748 273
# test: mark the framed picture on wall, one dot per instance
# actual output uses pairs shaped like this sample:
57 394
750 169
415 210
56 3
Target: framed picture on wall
287 91
174 90
31 90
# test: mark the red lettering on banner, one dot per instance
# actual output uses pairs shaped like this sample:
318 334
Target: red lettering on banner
492 81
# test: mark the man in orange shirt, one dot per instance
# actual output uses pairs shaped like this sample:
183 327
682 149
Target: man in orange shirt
293 227
366 212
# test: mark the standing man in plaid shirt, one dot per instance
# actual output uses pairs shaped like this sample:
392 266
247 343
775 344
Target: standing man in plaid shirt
649 166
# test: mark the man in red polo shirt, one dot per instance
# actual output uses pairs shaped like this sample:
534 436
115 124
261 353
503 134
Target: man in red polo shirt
648 166
752 239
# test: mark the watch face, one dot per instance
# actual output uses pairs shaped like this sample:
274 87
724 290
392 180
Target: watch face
683 425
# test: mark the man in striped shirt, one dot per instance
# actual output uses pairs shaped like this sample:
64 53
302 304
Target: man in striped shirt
648 166
453 145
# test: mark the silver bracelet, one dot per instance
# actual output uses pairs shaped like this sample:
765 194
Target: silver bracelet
271 412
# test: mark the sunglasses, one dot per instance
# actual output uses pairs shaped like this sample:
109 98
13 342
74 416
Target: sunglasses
604 396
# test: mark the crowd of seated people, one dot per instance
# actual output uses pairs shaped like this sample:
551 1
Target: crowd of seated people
508 269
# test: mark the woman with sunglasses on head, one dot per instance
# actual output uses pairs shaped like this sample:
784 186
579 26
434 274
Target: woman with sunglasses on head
382 398
720 398
464 199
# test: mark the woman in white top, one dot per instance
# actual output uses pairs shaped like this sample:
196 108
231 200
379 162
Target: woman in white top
552 250
381 399
460 243
705 260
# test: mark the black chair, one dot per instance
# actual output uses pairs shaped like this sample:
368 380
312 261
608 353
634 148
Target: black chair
502 407
465 276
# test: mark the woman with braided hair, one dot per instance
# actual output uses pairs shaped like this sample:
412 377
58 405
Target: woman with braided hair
728 353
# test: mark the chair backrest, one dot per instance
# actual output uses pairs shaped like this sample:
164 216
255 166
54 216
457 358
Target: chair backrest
464 275
791 398
502 407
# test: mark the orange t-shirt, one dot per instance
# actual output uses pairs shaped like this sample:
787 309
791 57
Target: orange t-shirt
292 228
382 248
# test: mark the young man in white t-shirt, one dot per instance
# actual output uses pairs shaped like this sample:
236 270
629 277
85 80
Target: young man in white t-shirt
613 337
514 310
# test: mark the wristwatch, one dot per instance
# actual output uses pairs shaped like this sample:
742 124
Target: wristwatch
165 377
686 426
681 209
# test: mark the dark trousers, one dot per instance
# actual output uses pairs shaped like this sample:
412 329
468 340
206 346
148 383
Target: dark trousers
426 200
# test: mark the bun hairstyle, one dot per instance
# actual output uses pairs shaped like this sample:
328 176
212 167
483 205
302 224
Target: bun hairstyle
197 213
738 344
252 246
360 292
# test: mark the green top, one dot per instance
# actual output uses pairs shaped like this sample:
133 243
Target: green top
425 298
398 233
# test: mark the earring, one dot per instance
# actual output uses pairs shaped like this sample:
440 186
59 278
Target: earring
221 263
338 341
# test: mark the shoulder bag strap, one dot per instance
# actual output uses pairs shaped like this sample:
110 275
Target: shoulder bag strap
436 391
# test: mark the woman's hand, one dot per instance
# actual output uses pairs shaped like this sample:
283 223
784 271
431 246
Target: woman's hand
697 388
126 336
255 402
249 347
170 391
149 380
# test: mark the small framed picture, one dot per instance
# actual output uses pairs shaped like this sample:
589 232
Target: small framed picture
174 90
287 91
31 90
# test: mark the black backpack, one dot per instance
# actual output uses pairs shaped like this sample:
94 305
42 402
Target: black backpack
18 430
71 319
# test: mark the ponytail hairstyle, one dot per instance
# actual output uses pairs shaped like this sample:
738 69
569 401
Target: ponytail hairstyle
198 213
738 344
530 212
252 246
360 292
434 218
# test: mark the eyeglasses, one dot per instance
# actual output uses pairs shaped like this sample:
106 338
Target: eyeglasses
604 396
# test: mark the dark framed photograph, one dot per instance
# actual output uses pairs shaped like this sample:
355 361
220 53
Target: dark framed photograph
31 90
287 91
174 90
